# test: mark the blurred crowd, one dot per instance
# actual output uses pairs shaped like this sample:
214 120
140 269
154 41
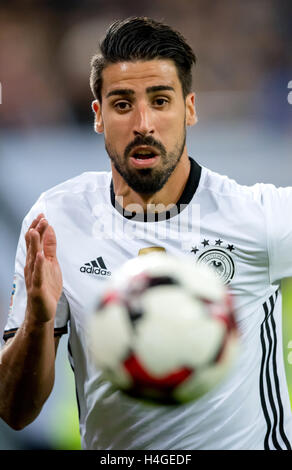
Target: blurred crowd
46 46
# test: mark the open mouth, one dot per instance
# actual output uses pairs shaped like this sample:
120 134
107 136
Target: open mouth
143 154
144 157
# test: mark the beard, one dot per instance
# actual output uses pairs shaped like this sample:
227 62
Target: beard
149 180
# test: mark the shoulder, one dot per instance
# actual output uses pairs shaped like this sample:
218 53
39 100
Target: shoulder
87 182
225 187
79 192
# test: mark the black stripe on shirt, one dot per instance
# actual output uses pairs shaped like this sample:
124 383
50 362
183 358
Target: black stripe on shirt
71 361
266 380
276 379
60 331
9 333
271 341
262 394
12 332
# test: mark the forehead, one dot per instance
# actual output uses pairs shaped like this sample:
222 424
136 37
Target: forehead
139 75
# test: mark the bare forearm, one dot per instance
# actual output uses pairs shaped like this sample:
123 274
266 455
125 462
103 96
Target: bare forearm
27 372
27 369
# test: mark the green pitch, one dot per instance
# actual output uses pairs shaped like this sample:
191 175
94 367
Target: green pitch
287 331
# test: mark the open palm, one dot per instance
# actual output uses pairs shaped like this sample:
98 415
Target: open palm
42 271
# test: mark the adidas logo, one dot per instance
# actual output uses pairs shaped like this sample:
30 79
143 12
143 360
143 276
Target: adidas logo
96 266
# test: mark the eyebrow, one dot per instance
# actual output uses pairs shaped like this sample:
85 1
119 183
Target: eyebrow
128 91
152 89
120 91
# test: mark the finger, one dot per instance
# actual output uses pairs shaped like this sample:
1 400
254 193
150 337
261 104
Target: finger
35 243
37 276
41 228
27 242
50 243
36 220
33 225
34 248
28 239
29 255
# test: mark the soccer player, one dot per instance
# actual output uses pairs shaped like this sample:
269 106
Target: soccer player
68 247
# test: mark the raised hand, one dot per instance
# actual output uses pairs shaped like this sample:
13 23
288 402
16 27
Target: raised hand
42 272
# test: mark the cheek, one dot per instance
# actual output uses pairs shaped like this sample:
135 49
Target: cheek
116 129
171 128
173 120
117 136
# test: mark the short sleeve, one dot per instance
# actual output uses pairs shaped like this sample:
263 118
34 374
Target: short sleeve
277 204
18 299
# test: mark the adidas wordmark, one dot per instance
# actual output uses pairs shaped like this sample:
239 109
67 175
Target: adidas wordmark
96 266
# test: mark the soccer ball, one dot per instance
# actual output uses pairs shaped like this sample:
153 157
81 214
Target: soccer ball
164 329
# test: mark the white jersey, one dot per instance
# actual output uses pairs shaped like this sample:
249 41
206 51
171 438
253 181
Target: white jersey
248 232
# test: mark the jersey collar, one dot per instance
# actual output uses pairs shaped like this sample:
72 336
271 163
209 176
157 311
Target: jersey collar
186 197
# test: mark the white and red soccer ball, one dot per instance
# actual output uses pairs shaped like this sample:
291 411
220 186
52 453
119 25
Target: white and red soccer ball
164 329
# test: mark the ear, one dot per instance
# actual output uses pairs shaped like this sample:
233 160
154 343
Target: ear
98 122
191 115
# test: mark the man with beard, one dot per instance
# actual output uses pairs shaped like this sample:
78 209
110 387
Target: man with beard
143 103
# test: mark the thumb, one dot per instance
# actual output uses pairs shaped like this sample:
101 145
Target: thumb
50 243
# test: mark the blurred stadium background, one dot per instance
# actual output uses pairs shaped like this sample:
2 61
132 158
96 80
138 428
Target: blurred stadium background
46 129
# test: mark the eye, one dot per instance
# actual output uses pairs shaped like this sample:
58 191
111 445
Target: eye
160 102
122 106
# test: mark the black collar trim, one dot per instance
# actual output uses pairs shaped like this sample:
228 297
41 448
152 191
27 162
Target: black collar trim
186 197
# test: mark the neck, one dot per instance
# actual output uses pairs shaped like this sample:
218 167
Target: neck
167 196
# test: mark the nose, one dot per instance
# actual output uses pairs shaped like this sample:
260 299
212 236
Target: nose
143 124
